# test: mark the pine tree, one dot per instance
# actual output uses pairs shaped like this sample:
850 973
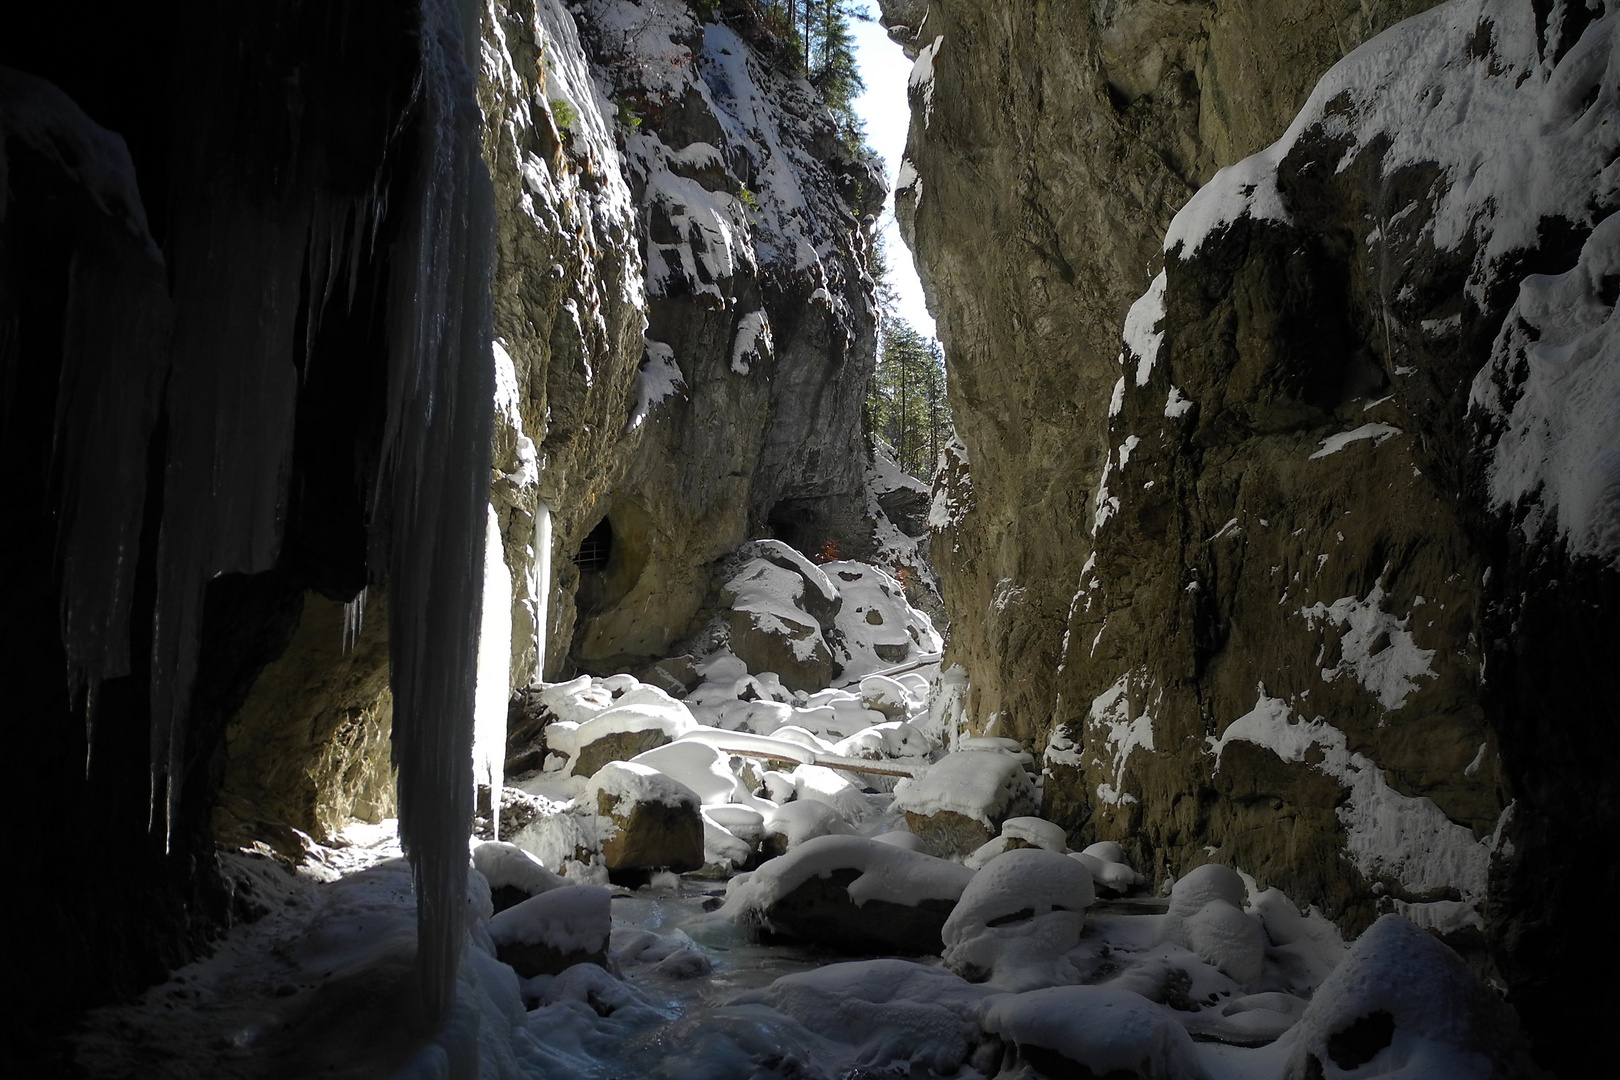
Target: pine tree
906 403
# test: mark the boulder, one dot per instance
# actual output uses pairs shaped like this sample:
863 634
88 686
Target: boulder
854 895
1091 1031
646 820
792 823
792 648
947 834
1400 988
1017 917
549 933
959 803
514 875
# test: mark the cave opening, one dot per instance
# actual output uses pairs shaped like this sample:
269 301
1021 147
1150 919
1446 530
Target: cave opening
596 549
789 523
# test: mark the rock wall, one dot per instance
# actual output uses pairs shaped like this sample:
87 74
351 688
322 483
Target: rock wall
761 323
736 414
1293 551
230 527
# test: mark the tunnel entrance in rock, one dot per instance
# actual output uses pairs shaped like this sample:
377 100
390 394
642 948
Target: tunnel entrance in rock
786 523
596 549
612 556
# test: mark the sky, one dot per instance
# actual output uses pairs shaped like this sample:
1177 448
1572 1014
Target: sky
884 69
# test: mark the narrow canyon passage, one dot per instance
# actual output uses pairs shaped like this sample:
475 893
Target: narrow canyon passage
810 538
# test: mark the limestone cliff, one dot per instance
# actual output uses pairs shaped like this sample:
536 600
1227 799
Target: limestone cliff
653 171
761 323
250 273
1323 556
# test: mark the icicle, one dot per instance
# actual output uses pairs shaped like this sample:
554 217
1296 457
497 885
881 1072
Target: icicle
114 359
354 620
436 484
494 672
540 589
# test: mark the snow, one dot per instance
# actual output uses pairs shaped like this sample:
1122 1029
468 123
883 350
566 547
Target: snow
752 343
983 785
1445 1023
1389 836
953 487
1037 831
504 864
1378 433
659 377
630 781
574 919
921 82
1111 715
893 1011
1230 940
1556 451
645 709
702 768
1113 874
1143 329
805 819
1375 647
1017 917
770 593
1204 885
1101 1029
887 872
1176 404
868 591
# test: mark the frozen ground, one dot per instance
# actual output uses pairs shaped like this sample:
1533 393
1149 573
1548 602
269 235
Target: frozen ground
1050 962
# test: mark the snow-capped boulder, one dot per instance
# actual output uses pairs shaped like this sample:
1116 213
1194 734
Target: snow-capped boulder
638 721
1091 1031
513 874
895 1011
1228 938
793 823
545 934
702 767
1403 1004
1017 918
772 617
1036 832
886 696
1115 877
959 803
646 820
852 894
1200 885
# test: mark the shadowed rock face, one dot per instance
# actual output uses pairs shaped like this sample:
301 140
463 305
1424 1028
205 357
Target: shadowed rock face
1059 142
1284 609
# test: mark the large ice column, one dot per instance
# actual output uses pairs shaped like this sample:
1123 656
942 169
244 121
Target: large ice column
435 488
540 586
114 358
494 671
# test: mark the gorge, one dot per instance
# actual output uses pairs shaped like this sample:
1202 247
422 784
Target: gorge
454 413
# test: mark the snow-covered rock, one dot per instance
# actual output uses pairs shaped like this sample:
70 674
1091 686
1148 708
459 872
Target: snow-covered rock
1402 1004
853 894
1063 1030
959 803
554 931
646 820
513 874
1017 918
